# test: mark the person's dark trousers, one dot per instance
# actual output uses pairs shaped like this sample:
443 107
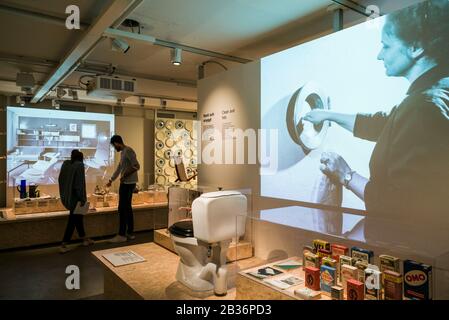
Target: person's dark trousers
75 221
125 208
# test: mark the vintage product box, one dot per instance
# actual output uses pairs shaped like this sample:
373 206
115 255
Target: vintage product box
417 280
304 250
321 244
307 294
311 260
326 261
342 261
362 254
348 272
312 277
355 290
392 285
338 250
337 293
361 266
373 284
324 253
328 278
389 263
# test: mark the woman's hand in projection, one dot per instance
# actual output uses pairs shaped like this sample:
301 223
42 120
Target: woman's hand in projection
316 116
334 166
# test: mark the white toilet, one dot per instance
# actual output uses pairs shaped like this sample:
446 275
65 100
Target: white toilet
202 243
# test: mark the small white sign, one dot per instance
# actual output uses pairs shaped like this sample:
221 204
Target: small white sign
123 258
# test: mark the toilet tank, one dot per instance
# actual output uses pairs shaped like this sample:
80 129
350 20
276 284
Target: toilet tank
214 216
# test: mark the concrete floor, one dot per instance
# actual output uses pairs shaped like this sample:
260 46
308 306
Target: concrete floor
40 273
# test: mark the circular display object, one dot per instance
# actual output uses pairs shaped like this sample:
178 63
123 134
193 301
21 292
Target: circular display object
168 134
159 171
159 154
192 162
172 179
179 124
169 171
188 153
168 154
159 145
169 143
160 124
160 162
189 125
160 180
160 135
171 163
305 99
178 153
169 124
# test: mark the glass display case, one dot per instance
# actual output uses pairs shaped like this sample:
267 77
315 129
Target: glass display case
342 253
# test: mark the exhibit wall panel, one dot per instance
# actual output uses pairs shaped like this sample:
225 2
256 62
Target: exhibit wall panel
237 89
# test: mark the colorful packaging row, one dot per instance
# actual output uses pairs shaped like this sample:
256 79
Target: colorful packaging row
330 268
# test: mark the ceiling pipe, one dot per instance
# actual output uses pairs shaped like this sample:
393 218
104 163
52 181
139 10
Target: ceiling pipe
93 68
354 6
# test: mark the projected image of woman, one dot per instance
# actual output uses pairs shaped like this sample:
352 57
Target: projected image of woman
409 167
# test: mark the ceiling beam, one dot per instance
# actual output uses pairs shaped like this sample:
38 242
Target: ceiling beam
114 33
113 15
38 15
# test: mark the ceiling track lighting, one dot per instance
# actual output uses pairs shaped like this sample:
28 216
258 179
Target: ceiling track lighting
176 56
119 45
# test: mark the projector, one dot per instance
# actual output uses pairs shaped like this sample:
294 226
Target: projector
111 87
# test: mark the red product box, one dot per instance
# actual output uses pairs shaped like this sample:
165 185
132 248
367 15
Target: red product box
312 277
338 250
355 290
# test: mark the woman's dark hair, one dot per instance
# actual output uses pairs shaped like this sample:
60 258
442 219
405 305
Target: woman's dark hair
116 138
424 25
76 155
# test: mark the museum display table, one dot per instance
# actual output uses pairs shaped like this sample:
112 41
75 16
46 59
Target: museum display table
26 230
155 277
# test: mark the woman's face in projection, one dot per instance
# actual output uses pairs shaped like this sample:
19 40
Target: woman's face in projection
395 54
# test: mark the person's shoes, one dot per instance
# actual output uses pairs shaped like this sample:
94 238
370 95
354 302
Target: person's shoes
117 239
64 249
88 242
130 236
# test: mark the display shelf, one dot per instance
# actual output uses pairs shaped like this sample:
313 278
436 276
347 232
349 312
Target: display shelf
283 232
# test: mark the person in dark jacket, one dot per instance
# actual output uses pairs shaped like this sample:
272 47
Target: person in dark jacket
72 189
409 165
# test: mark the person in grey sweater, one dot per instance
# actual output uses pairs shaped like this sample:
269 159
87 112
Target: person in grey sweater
72 189
127 169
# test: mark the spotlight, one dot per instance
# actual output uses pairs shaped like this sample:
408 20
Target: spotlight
176 56
119 45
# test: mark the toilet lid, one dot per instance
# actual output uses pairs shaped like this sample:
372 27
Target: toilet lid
182 228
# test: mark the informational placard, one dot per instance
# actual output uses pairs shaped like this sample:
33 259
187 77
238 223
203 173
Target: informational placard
123 258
